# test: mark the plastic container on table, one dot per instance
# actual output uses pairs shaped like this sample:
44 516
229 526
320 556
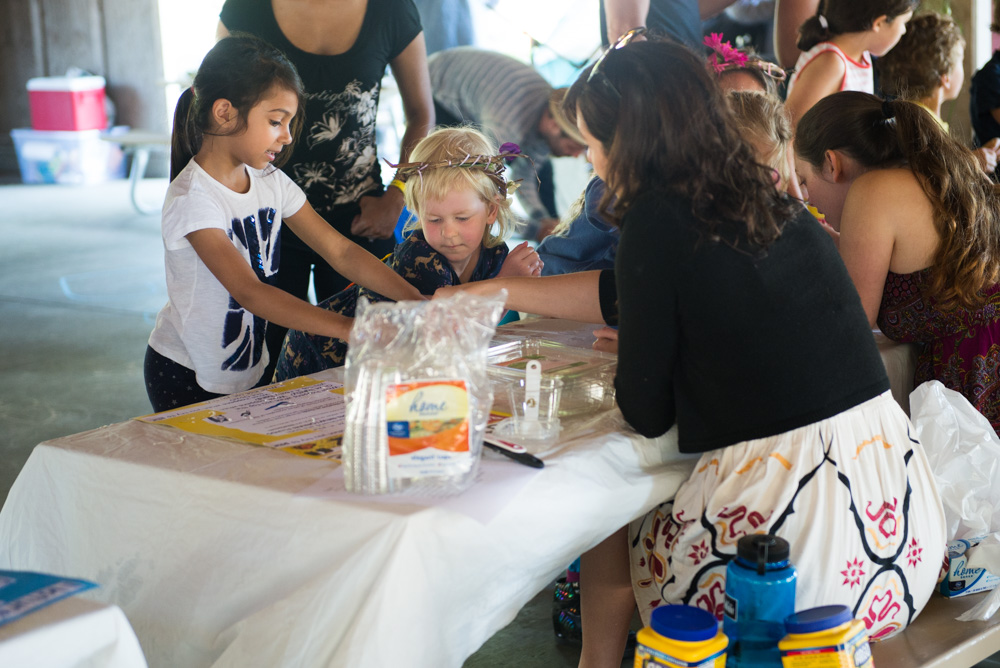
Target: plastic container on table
67 103
68 157
586 376
681 636
760 595
825 637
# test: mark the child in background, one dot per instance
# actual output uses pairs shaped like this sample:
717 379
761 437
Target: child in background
838 43
584 239
762 121
221 221
456 191
926 67
984 93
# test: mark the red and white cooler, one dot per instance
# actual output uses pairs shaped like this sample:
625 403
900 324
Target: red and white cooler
67 103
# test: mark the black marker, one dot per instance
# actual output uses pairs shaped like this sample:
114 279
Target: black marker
514 451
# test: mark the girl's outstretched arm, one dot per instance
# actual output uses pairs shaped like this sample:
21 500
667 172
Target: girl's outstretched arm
266 301
820 78
570 296
347 258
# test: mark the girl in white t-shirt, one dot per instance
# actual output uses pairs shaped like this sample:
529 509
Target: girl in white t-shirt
837 44
221 230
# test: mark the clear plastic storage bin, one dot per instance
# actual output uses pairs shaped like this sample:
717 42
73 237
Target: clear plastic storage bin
586 376
81 157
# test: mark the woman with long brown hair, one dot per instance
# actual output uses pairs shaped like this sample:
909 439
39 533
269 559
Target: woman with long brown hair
737 322
919 227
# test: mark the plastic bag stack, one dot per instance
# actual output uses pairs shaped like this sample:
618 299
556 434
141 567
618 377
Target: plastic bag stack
418 397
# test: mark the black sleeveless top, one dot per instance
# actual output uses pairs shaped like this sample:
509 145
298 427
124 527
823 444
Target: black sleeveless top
335 161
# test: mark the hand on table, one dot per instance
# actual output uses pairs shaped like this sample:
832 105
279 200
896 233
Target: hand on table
607 340
523 260
379 215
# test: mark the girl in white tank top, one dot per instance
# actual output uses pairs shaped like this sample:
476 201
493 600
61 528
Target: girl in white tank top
838 43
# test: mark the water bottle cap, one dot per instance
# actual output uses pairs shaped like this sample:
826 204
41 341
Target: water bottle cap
818 619
762 548
684 622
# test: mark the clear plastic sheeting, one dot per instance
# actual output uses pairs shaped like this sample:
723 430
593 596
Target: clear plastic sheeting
418 397
964 453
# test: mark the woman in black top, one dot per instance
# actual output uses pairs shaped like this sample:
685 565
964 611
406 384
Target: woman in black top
737 322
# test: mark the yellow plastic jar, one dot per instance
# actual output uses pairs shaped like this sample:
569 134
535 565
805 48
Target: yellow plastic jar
681 636
825 637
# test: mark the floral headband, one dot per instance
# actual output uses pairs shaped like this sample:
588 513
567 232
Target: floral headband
491 165
727 57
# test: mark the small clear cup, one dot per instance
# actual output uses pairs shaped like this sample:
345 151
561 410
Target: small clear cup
521 425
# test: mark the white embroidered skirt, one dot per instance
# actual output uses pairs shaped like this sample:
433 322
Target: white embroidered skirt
853 495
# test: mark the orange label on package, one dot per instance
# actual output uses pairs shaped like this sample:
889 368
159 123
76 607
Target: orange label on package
431 414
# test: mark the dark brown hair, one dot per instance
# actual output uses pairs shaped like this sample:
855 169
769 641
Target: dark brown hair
844 16
913 68
240 68
665 125
966 203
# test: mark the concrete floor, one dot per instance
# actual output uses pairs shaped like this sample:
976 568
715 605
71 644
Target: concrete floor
81 280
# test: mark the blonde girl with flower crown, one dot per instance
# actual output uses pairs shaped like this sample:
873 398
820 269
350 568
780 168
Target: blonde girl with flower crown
456 189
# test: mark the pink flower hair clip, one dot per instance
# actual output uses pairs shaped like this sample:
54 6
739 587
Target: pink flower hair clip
725 56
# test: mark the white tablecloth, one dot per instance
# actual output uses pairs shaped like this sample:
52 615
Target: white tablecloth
71 633
217 557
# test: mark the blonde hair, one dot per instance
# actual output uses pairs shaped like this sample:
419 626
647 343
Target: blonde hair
457 144
761 119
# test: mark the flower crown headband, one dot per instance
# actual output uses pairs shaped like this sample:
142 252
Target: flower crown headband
727 57
491 165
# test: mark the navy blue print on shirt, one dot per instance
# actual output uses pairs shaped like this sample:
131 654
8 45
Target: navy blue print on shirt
263 249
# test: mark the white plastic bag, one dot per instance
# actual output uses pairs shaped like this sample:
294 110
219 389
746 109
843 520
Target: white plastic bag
964 454
418 397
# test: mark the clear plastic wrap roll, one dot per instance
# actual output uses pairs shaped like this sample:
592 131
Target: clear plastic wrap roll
418 397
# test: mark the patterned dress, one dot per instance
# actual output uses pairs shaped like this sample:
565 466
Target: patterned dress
960 348
853 495
414 260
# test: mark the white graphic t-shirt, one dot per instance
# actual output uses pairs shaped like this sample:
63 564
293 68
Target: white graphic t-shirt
202 327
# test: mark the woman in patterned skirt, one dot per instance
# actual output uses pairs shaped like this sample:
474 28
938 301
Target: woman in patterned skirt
738 323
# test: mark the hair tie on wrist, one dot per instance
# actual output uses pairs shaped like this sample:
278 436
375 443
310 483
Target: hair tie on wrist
823 22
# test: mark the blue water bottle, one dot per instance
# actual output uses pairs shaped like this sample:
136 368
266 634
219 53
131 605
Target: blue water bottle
760 593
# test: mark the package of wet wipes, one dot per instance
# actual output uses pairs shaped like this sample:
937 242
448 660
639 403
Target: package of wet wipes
961 577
